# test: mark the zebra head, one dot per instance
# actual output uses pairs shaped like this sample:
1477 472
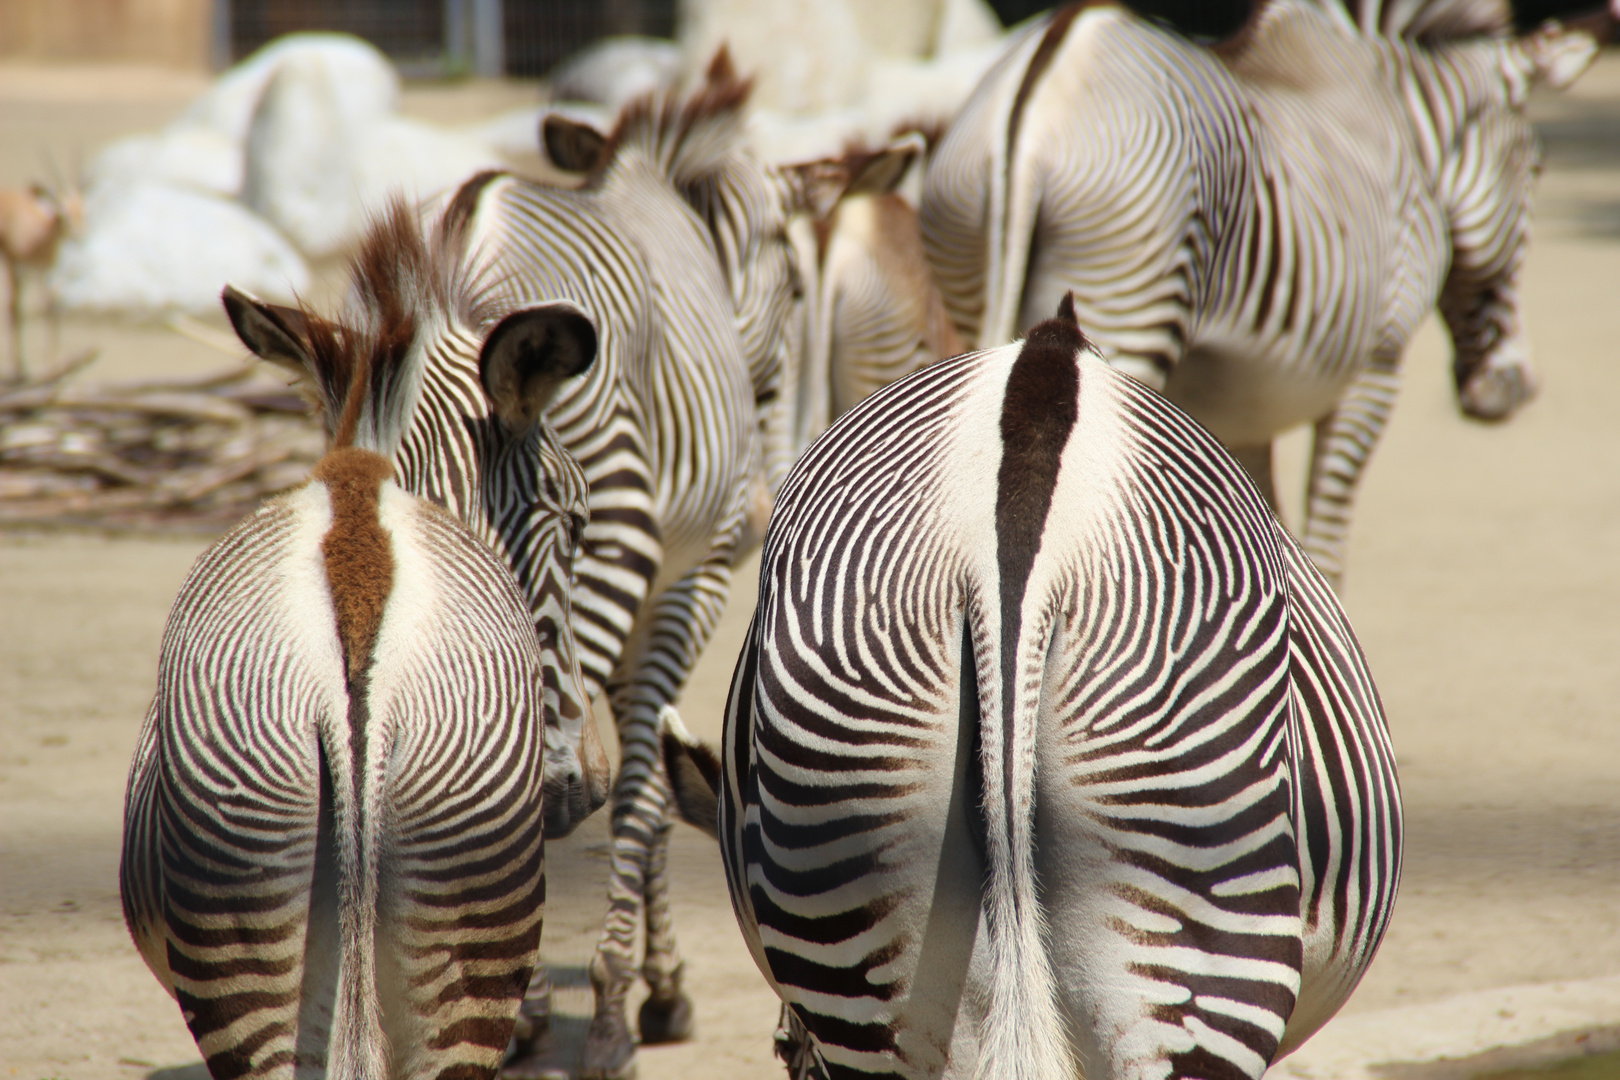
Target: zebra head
1482 157
697 141
455 392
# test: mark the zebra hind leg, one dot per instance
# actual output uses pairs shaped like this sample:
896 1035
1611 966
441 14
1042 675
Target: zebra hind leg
1344 443
682 620
666 1015
795 1049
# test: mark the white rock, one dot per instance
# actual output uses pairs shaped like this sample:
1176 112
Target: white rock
967 25
180 155
616 69
152 248
320 157
203 148
806 56
296 167
369 83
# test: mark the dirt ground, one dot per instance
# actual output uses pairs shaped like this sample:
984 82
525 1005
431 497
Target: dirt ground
1484 582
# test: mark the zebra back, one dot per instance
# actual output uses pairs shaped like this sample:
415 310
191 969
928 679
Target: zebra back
1047 747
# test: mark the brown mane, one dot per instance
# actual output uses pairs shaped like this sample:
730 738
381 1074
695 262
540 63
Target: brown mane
358 360
672 127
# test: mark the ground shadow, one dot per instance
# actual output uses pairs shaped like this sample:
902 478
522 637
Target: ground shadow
1570 1055
195 1071
561 1057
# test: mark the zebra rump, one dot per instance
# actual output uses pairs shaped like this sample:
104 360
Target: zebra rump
333 848
1048 751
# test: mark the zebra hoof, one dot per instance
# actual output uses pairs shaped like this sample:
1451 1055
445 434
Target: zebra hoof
610 1052
534 1054
665 1021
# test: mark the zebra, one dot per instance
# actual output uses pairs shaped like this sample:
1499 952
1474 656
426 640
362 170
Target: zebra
675 243
746 207
1049 752
333 850
1255 230
871 313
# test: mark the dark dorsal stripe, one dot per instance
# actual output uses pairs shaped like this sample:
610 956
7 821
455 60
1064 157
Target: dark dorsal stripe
1038 63
359 558
1037 415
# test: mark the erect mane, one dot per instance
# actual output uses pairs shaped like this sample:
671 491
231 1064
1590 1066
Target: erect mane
397 276
688 136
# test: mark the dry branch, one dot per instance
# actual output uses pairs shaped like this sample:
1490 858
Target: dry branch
173 453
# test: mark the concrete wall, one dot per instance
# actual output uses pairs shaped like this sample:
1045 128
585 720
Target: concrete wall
176 33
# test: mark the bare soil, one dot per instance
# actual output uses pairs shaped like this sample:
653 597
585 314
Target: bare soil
1484 581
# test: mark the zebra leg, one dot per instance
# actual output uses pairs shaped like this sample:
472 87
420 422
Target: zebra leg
682 619
1344 441
531 1037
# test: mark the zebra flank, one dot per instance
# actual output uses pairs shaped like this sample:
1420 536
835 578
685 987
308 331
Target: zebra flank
333 843
1048 752
1257 229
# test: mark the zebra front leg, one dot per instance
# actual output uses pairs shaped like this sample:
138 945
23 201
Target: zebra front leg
682 620
640 805
1344 442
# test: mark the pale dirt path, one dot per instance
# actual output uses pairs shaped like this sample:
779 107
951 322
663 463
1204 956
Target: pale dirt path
1483 580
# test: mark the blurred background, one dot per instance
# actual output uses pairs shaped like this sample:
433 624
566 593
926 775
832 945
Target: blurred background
1484 581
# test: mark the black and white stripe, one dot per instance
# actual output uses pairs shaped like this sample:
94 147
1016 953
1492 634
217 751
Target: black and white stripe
676 247
1257 230
1048 752
333 850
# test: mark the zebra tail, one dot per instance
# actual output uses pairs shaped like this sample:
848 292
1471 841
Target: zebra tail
1024 1036
359 1048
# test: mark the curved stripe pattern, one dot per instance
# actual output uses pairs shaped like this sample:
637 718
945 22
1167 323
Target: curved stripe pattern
333 851
675 247
1048 750
1255 230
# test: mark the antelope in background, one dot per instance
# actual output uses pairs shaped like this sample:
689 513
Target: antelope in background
33 222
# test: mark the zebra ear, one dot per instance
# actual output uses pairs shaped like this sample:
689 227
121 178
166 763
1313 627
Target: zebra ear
529 354
882 172
270 331
694 775
571 144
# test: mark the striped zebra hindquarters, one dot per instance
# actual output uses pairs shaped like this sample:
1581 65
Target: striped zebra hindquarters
873 312
1070 647
1258 229
333 836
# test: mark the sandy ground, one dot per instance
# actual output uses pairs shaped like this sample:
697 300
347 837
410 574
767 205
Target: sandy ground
1483 581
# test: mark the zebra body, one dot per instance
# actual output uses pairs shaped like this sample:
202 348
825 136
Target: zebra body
674 246
872 313
333 849
1048 751
1257 231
